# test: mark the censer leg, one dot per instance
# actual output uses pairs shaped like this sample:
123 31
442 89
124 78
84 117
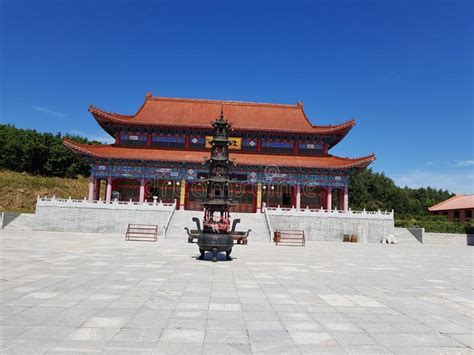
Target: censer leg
227 254
202 251
214 254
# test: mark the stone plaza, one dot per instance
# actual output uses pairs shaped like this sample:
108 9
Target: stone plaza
94 293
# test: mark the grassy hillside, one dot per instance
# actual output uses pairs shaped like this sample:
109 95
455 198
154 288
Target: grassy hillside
18 191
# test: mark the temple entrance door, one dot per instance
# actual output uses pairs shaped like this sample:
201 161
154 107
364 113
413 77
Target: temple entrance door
277 195
195 192
166 191
245 197
312 197
128 189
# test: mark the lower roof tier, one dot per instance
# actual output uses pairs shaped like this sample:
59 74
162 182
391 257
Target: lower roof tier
245 159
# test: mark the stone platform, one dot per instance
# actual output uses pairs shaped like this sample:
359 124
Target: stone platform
74 293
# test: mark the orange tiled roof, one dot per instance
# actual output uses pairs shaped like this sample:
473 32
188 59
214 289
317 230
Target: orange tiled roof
166 111
115 152
458 202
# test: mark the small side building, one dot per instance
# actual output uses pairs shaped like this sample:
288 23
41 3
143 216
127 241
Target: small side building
459 208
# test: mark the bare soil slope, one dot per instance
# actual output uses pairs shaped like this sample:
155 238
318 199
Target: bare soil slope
18 191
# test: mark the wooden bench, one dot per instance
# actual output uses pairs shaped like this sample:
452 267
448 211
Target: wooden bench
289 237
142 232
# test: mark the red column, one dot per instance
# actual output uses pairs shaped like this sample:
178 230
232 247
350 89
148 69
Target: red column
298 196
259 145
187 142
108 195
142 191
346 198
148 140
91 188
295 144
329 198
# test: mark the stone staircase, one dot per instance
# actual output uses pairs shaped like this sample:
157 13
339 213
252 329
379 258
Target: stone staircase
404 236
180 220
253 221
17 221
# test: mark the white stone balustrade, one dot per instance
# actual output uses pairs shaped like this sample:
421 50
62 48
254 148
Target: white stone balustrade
101 204
329 213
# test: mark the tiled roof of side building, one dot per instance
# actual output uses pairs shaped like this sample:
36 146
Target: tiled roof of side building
458 202
115 152
165 111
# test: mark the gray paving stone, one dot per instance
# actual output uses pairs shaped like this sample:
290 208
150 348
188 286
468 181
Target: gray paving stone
138 335
212 349
142 322
93 334
226 337
320 338
105 322
183 336
28 346
164 348
186 323
129 346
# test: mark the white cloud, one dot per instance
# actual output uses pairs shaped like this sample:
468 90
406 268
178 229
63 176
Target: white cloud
463 163
51 112
461 183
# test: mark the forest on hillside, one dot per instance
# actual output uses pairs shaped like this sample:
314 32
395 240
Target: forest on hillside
35 153
43 154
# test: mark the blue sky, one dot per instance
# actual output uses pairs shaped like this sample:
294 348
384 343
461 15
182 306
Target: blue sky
402 69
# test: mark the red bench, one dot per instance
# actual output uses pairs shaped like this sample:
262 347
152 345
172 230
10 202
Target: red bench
289 237
142 232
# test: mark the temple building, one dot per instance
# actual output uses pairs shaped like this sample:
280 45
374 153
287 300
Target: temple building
458 208
281 159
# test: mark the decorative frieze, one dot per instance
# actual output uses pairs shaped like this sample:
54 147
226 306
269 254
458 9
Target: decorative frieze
265 175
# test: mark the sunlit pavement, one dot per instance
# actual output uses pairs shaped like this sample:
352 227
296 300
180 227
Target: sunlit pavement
64 292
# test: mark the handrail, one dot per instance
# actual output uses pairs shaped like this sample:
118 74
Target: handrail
330 213
115 204
268 225
169 221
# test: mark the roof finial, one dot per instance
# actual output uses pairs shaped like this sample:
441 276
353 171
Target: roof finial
148 95
299 103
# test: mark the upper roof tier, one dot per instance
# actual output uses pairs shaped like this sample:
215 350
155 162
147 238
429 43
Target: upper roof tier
250 116
155 154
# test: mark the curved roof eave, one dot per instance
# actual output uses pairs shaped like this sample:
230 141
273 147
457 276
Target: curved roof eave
196 157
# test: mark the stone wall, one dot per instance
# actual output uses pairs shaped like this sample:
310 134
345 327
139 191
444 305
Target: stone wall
321 225
448 239
97 216
6 218
16 221
417 233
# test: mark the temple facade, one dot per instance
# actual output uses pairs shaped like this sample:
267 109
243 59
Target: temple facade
281 159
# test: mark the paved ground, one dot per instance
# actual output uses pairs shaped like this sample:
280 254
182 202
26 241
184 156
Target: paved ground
93 293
